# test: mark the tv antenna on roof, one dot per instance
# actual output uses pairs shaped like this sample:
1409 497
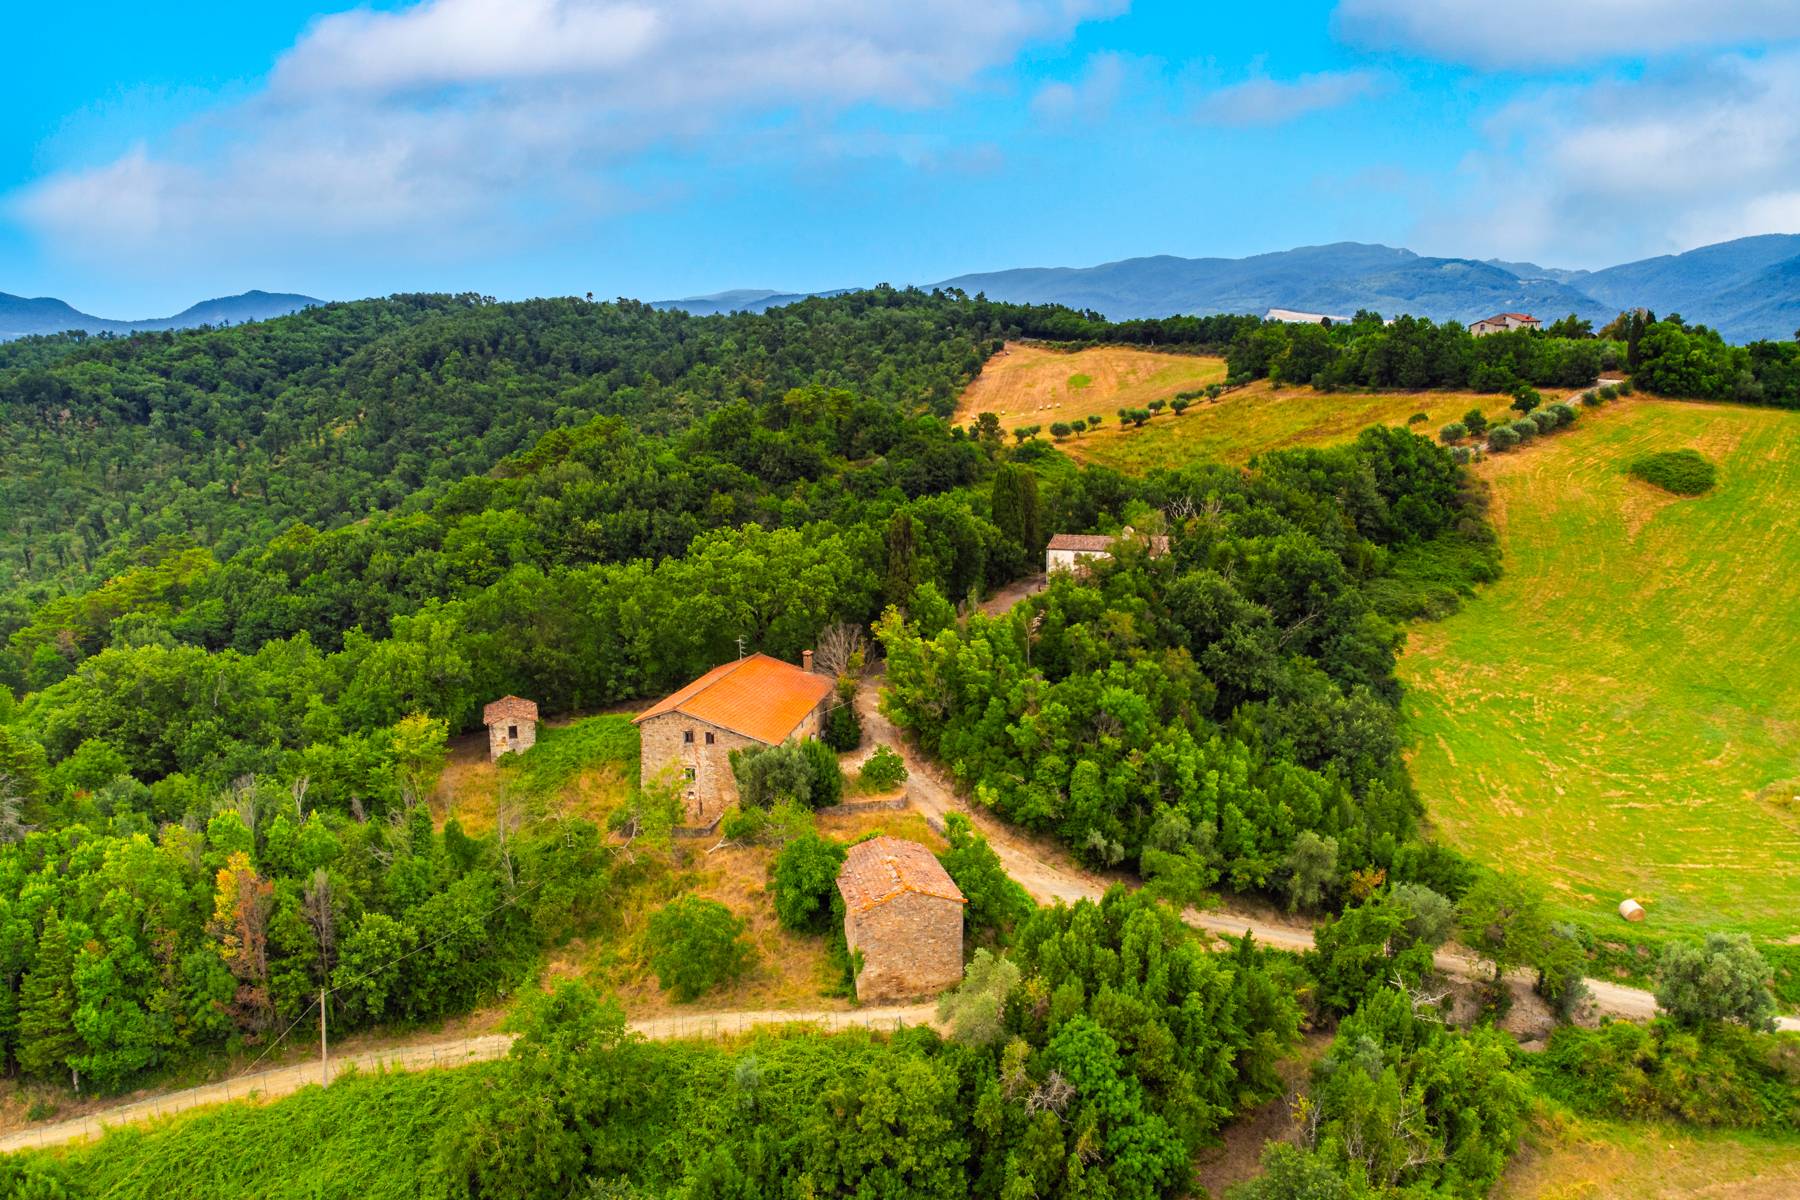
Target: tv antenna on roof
740 642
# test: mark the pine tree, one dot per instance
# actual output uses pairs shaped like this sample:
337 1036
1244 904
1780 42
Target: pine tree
47 1037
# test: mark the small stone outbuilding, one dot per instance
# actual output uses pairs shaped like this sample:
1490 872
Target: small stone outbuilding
512 725
904 915
755 701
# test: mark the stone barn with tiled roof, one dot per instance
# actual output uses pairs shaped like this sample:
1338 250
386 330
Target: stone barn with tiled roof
755 701
512 725
904 915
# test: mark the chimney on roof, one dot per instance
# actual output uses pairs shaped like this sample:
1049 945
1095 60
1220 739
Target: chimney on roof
806 660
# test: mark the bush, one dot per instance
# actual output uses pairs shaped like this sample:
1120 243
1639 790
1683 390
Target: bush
805 772
1525 429
1723 1076
805 880
1625 389
1722 979
882 770
1477 424
1526 398
1418 418
1564 414
1157 406
1455 431
1683 472
1544 419
843 728
1462 456
1502 438
996 901
1180 405
695 945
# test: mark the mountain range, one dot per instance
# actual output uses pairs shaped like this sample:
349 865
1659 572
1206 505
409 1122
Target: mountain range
1747 289
21 317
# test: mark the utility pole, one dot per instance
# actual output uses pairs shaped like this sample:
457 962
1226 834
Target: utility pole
324 1058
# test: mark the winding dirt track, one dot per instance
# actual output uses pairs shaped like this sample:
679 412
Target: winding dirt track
456 1052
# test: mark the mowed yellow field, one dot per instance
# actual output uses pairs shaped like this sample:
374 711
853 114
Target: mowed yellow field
1246 421
1035 385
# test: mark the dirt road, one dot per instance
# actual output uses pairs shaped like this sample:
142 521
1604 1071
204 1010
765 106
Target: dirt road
455 1052
1049 874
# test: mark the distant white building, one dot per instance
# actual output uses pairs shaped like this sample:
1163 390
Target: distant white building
1068 551
1501 322
1303 318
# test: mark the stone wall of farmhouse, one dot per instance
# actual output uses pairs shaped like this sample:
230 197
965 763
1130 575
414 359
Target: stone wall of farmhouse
511 735
702 767
910 945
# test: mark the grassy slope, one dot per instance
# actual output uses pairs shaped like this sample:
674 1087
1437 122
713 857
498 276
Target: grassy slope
1619 713
1036 385
1590 1160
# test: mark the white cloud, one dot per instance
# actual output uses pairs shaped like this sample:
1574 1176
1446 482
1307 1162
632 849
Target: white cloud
1558 33
1678 158
1263 101
1089 98
454 122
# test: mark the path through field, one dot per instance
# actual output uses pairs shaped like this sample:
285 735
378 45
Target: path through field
455 1052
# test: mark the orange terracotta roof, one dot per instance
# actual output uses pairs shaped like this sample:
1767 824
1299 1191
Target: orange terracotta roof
509 708
884 868
1102 543
759 697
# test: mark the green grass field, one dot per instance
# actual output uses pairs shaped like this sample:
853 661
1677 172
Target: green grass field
1596 1160
1620 714
1249 420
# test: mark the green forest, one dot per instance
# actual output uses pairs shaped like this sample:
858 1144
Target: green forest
254 578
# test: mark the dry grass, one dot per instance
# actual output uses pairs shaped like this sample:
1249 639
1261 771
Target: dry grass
1589 1160
1028 384
1616 714
1247 421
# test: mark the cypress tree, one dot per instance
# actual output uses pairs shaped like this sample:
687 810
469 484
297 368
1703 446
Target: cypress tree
47 1037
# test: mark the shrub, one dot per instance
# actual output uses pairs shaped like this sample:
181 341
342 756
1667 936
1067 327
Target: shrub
805 772
695 945
1311 870
1455 431
1684 472
749 825
1595 397
805 880
1526 398
1157 406
1544 419
882 770
827 776
1214 390
1722 979
1462 456
1625 389
1418 418
843 728
1525 429
1502 438
1564 414
1477 423
1180 404
996 901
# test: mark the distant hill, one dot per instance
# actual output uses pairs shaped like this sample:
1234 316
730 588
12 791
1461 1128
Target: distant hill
1744 288
20 317
747 300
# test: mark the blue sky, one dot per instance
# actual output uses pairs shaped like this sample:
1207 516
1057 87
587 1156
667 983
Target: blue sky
154 155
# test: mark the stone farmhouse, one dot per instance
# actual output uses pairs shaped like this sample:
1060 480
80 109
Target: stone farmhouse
755 701
1067 551
512 725
1501 322
904 915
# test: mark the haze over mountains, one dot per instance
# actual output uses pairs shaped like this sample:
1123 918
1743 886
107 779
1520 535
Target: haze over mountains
21 317
1746 289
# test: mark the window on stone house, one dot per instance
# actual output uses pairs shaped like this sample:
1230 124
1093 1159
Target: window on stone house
512 732
690 772
709 739
687 736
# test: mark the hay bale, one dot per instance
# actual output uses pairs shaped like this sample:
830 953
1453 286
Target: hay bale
1631 910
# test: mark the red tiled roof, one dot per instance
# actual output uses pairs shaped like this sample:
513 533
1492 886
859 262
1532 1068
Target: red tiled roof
884 868
759 697
509 708
1510 317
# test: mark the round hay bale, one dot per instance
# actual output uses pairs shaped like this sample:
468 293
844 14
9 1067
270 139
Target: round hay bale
1631 910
